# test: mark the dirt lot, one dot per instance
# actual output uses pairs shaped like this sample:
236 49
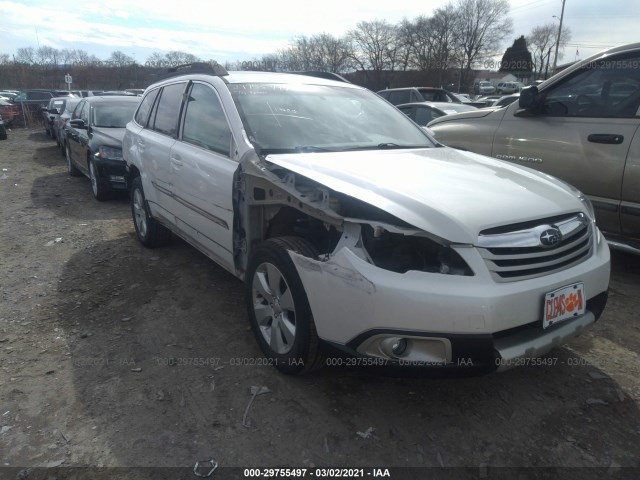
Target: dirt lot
113 355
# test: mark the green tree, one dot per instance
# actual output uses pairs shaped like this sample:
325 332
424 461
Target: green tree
517 58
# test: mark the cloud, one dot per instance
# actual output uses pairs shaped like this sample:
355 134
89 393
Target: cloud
248 29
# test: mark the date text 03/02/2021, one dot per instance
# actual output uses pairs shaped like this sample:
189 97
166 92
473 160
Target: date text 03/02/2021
317 473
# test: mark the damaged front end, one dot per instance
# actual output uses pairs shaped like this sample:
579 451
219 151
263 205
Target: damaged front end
363 252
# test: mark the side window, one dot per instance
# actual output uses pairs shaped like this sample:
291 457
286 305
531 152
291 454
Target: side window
142 115
602 88
84 114
205 124
424 115
409 112
400 96
78 110
40 96
167 110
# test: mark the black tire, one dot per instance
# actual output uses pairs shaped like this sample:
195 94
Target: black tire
149 231
100 192
71 168
301 353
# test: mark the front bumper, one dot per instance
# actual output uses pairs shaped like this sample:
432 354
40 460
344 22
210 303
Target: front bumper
111 173
447 319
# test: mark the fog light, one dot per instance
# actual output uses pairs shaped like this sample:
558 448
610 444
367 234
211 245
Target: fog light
399 346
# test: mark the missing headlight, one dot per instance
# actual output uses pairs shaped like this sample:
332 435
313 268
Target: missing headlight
400 253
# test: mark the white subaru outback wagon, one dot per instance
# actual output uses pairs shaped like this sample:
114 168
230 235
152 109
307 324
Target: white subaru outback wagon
354 231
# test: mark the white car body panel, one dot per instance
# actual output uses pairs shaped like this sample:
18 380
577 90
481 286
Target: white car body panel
447 193
429 302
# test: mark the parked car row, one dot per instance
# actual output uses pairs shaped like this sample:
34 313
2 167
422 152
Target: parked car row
89 133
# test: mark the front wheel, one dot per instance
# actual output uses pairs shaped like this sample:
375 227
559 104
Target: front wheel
71 168
99 191
278 308
149 232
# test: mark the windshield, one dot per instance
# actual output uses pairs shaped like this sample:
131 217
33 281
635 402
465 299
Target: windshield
308 118
112 115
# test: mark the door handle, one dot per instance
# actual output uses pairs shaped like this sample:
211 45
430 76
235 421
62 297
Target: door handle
608 138
175 161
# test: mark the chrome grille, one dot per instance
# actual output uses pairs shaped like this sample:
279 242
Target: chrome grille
534 249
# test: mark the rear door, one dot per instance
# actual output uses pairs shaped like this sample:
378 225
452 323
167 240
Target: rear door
76 137
583 132
202 173
154 145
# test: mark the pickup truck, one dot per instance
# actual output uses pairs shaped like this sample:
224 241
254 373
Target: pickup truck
581 126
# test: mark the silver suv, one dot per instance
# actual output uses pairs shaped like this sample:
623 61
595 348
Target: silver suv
506 88
582 126
355 232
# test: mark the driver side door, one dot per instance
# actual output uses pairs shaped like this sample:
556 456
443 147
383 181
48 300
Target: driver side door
582 133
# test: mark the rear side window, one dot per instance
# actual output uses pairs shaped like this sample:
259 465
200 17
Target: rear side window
84 114
205 124
425 115
168 109
142 115
78 110
400 96
39 95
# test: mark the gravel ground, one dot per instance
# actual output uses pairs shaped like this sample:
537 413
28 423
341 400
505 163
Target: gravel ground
113 355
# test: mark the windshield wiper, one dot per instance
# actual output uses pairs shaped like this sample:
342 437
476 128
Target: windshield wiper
298 149
387 146
311 148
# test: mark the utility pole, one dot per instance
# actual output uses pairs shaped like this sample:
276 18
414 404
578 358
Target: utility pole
555 57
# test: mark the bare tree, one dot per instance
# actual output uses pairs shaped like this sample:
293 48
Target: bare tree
374 45
156 59
542 40
77 57
330 53
481 26
176 57
443 26
26 55
170 59
319 52
47 56
120 59
5 59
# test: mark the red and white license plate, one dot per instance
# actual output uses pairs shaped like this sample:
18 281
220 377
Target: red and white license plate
563 304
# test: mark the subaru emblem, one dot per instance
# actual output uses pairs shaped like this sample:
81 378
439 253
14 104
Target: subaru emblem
550 237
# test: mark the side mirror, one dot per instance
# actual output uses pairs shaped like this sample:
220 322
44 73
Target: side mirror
529 98
78 123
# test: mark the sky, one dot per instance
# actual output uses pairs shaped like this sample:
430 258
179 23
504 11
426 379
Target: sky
245 30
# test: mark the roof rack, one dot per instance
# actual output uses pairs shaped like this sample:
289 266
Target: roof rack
325 75
212 68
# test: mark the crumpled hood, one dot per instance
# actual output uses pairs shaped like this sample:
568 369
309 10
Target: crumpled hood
446 192
108 136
